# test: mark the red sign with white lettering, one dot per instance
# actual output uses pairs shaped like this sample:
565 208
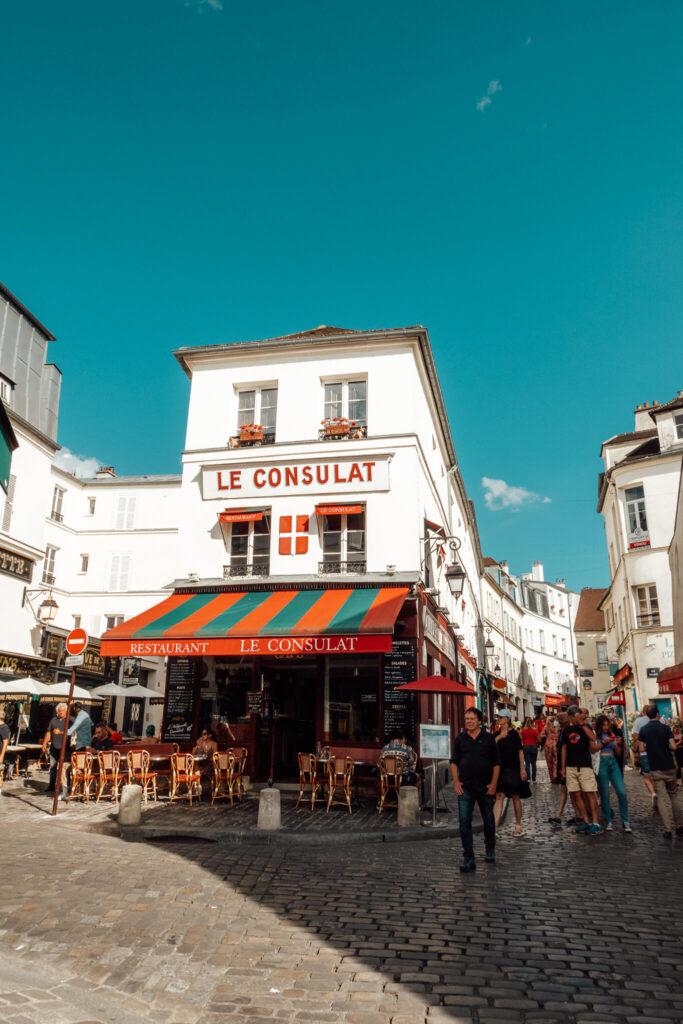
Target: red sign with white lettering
349 644
77 641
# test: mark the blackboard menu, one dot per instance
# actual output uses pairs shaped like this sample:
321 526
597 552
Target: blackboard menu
255 702
399 705
180 700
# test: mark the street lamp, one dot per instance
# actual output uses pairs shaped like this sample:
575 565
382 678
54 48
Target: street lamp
455 578
47 609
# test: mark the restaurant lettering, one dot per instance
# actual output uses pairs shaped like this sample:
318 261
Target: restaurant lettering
15 565
252 480
283 646
161 648
17 665
300 645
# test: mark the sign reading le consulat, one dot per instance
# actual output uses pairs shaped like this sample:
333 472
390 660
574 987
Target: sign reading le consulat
244 480
355 644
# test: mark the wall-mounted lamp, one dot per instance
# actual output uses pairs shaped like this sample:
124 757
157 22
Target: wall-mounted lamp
47 609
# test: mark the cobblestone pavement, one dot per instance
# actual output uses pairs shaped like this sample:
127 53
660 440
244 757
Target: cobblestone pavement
563 928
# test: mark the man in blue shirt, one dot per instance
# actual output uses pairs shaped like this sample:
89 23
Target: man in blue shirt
658 741
81 730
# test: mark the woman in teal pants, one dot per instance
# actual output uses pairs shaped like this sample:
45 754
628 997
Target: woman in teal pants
610 748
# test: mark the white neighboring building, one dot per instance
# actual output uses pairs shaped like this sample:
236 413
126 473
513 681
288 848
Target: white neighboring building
637 498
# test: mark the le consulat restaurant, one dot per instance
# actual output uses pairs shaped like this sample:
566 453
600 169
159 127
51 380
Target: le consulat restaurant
318 505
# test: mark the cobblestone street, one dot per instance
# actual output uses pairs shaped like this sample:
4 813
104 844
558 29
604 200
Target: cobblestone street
563 928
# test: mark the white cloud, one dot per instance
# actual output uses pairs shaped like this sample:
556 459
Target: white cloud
215 5
81 466
528 41
498 494
485 101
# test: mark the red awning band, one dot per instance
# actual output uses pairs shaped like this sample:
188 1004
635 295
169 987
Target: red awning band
241 515
555 700
617 698
337 510
624 672
670 680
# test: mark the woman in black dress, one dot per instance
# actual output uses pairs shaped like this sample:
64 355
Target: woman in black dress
512 778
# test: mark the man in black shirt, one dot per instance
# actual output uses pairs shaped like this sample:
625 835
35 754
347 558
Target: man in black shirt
475 766
658 741
101 740
577 744
55 737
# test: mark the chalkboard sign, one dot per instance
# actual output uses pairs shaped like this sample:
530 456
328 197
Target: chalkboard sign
399 705
180 700
255 701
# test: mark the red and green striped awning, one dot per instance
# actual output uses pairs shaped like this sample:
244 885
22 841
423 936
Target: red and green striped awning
321 621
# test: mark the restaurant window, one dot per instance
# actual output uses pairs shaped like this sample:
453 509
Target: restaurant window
602 654
258 406
636 515
349 399
57 501
125 512
647 605
678 426
49 565
85 561
354 699
112 620
343 542
249 548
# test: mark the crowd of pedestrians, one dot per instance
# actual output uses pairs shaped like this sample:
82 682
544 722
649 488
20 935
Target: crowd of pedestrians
586 759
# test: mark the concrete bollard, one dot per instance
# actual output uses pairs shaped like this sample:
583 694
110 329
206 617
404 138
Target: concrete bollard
130 805
269 810
408 806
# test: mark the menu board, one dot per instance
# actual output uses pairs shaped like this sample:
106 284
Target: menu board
255 702
399 705
180 700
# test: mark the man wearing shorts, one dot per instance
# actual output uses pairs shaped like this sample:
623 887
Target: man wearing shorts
641 760
578 743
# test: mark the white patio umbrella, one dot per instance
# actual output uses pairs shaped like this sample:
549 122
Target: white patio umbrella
110 690
61 692
27 685
140 691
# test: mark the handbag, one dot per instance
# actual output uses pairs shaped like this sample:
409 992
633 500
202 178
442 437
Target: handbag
595 758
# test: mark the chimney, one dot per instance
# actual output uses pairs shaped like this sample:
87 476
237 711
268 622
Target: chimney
104 472
537 572
643 420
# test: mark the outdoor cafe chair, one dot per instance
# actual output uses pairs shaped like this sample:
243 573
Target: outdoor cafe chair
183 773
308 776
339 776
239 767
223 775
108 761
139 773
390 776
81 775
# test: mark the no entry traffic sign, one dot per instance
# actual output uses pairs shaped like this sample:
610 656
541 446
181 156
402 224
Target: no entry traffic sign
77 641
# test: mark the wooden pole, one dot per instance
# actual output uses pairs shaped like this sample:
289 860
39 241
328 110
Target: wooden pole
58 784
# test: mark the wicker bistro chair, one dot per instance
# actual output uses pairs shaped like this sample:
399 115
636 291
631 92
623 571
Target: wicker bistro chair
339 776
239 767
183 773
308 776
81 775
139 773
391 768
223 775
108 761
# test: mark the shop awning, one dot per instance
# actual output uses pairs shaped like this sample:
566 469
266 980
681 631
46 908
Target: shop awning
502 698
624 672
241 515
617 698
340 621
337 510
437 684
670 680
555 700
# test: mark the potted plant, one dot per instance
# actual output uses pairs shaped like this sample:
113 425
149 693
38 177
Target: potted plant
337 427
251 432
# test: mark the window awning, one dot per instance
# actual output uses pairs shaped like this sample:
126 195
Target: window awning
343 621
624 672
670 680
241 515
337 510
555 700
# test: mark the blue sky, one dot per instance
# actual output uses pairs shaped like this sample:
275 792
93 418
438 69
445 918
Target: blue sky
507 174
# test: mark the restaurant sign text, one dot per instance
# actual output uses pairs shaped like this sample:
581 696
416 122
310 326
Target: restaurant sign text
247 480
15 565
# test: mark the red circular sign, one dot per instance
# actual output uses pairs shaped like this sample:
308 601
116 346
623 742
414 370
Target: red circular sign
77 641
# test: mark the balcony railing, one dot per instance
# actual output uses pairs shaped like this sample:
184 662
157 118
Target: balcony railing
341 568
57 516
651 619
251 569
251 440
49 578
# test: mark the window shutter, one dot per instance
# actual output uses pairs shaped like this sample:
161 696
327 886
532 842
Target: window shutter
118 572
95 625
9 502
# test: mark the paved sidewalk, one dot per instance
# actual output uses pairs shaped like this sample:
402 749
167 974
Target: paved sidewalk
561 930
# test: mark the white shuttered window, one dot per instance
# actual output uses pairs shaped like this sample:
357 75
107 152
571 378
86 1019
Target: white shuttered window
119 571
125 512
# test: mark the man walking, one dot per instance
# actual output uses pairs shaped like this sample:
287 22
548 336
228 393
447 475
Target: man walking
55 737
640 758
659 743
578 743
475 766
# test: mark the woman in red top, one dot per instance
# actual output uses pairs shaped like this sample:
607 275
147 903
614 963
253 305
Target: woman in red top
530 744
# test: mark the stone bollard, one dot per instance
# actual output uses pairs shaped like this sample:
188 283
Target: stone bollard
130 805
408 806
269 810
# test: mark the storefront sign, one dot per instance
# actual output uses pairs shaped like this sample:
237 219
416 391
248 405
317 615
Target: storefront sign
652 673
255 702
617 698
435 741
587 685
439 636
639 539
17 665
93 662
554 700
180 700
16 565
586 672
365 643
271 479
399 705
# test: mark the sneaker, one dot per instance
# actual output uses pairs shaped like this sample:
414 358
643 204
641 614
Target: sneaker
555 821
654 800
627 827
594 830
490 857
468 865
608 826
583 827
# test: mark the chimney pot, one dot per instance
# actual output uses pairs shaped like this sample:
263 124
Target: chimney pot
646 405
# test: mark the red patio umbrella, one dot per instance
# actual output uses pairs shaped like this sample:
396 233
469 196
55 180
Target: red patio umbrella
437 684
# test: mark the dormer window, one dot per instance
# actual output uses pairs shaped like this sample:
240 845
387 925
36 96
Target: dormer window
257 413
678 426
